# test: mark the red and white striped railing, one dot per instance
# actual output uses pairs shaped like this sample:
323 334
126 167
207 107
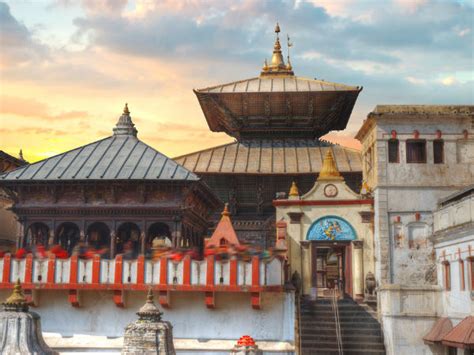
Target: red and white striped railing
164 275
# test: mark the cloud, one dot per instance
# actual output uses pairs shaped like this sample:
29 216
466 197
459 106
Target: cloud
32 108
449 80
16 41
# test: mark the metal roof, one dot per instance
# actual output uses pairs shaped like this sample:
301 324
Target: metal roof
119 157
285 156
278 84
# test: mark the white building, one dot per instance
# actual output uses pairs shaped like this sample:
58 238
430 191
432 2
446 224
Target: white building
413 156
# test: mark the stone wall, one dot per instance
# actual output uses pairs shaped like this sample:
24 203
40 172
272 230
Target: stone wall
191 320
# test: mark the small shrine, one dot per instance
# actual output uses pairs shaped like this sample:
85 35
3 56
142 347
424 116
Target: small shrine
21 329
149 334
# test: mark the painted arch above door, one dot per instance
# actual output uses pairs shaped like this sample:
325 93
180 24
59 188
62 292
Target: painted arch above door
331 228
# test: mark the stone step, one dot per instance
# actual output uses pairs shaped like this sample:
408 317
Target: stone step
347 325
319 351
353 345
350 332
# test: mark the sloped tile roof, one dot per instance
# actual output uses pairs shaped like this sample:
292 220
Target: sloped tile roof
278 84
288 156
119 157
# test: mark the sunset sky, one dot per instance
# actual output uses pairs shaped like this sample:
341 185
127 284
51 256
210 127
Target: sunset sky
68 66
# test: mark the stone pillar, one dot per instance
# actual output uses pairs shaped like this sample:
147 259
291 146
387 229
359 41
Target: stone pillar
149 334
358 269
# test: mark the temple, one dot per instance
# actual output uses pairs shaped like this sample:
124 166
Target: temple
282 237
277 119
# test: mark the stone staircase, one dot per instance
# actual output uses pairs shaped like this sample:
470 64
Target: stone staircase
360 330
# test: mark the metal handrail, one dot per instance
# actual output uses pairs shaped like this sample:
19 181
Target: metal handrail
335 309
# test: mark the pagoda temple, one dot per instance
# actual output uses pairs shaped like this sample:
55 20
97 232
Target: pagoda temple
117 194
277 119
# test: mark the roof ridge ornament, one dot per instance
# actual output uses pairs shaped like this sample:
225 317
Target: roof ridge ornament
277 65
329 170
125 125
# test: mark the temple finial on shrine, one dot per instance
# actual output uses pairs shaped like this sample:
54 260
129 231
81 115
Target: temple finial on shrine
125 126
329 170
224 232
277 65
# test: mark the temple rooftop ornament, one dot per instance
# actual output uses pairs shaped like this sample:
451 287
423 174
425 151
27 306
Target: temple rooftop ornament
277 65
224 231
294 192
21 329
149 334
125 126
329 170
277 104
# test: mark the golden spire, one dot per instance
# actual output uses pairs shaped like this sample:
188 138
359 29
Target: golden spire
329 170
277 63
16 301
294 192
125 109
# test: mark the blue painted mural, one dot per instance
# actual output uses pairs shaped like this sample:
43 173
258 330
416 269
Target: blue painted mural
331 228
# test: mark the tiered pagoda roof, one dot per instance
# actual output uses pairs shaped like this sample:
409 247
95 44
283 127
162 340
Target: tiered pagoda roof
277 104
285 156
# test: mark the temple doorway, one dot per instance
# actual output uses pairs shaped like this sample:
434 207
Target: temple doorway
331 269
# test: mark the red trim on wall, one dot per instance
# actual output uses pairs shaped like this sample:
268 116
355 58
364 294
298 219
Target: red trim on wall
96 269
210 299
164 271
7 263
255 271
210 271
322 202
51 268
164 298
73 270
29 269
187 270
119 298
118 276
141 269
233 272
73 298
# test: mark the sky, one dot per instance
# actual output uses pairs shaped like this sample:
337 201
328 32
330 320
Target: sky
67 67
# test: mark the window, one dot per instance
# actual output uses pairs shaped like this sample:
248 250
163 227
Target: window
447 275
393 151
462 278
471 272
438 151
416 151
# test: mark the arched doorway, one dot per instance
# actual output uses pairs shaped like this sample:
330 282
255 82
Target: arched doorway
67 236
36 234
98 236
128 239
331 255
159 235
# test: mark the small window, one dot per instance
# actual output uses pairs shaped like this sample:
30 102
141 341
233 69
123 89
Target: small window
393 151
416 151
471 272
462 277
447 275
438 151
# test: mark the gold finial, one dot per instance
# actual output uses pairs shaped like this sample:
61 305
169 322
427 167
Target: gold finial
226 210
265 65
277 64
125 109
17 298
294 190
277 29
329 170
365 189
20 155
